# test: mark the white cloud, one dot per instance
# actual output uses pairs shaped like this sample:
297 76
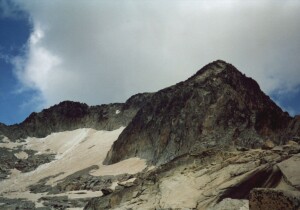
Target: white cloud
36 67
105 51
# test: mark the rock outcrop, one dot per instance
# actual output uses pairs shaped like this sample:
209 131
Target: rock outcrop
217 107
70 115
9 160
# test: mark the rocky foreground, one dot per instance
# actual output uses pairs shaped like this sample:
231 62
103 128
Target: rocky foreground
214 141
215 180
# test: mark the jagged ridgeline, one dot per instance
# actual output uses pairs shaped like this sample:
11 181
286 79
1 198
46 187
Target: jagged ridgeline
70 115
218 107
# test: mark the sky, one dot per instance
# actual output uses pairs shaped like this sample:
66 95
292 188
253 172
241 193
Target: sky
103 51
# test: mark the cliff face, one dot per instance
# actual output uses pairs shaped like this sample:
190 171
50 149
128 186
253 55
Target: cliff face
218 107
73 115
293 130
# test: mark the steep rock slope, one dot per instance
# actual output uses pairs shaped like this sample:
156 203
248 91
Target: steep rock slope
70 115
217 107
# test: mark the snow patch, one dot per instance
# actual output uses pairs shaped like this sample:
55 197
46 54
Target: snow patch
129 166
21 155
6 143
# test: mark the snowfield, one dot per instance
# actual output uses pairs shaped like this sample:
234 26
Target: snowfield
75 151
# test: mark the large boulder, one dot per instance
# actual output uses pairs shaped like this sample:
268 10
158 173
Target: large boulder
291 170
268 144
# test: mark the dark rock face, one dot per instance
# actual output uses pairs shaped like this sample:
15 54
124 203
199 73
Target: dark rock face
217 107
73 115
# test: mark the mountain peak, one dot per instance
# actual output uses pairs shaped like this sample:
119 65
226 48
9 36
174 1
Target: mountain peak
214 67
217 107
217 70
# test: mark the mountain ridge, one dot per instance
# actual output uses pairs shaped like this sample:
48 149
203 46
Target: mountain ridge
69 115
100 116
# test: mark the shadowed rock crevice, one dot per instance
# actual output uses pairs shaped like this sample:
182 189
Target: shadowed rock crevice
263 177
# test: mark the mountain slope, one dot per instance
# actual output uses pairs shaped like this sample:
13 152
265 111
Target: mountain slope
217 107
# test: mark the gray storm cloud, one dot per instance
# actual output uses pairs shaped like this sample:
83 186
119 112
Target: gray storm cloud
104 51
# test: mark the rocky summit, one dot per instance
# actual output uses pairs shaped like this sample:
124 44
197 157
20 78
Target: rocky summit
218 107
214 141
